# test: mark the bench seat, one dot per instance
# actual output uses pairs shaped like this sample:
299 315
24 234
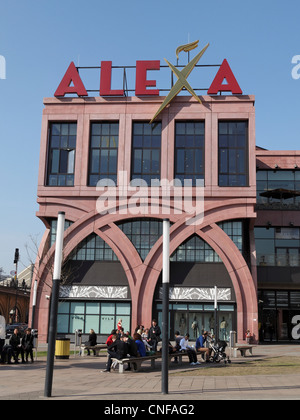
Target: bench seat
96 348
137 361
243 348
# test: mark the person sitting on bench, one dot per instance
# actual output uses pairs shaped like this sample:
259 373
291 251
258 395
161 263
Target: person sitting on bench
91 342
200 345
184 346
117 350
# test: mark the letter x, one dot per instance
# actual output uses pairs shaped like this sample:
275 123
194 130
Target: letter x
181 82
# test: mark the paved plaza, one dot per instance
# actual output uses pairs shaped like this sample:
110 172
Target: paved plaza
80 378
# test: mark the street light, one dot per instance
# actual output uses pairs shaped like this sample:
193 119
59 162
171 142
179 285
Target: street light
54 303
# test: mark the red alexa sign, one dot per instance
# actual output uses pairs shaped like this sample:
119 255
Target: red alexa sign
72 82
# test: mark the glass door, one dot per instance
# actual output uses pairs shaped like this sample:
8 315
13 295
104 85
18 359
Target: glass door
269 325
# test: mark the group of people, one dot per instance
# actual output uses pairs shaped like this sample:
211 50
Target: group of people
182 344
121 344
143 342
18 345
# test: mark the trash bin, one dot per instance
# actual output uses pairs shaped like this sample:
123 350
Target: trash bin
62 348
232 338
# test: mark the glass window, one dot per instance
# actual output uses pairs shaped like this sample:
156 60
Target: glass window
92 308
233 152
104 141
268 180
62 324
189 151
62 146
93 248
91 323
102 317
195 250
234 229
143 233
277 246
53 229
146 147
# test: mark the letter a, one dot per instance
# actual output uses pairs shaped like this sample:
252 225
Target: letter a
232 85
70 76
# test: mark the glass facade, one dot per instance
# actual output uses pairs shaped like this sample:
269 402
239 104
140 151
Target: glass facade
279 315
233 153
194 318
143 233
267 180
104 143
93 248
189 151
102 317
195 249
61 154
277 246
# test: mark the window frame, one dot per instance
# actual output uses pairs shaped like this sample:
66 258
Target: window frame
112 175
143 148
192 175
68 147
245 148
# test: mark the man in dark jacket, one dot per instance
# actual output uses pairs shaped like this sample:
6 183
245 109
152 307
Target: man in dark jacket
117 350
154 335
15 343
27 344
132 349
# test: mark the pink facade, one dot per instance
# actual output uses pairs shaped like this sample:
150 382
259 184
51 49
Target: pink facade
220 203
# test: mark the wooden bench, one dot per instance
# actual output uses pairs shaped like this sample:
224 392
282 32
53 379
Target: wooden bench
137 361
243 348
96 348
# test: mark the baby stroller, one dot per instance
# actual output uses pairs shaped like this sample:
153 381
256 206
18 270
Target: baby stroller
219 352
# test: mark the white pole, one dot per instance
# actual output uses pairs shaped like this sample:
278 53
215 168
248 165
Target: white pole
165 309
216 314
216 297
54 303
166 251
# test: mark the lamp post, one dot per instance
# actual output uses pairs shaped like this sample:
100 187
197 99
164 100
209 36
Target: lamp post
165 308
216 314
54 303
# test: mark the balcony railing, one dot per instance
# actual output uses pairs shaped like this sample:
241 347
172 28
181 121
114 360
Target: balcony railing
275 260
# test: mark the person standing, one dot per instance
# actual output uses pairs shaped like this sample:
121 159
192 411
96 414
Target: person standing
154 335
27 344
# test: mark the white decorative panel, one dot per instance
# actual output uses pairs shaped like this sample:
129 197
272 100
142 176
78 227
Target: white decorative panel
93 292
198 293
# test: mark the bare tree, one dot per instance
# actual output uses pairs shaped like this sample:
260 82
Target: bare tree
68 273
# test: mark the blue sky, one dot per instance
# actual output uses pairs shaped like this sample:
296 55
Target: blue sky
39 39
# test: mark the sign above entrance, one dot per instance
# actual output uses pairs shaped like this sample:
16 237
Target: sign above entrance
72 82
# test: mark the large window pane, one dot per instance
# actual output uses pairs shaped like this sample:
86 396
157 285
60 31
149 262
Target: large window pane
189 151
62 145
103 152
233 148
143 234
146 148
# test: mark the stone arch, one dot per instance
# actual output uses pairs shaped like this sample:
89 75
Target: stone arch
234 262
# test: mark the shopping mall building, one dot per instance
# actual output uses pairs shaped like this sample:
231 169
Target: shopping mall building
233 208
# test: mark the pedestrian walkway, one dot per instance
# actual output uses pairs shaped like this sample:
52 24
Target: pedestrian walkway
81 379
